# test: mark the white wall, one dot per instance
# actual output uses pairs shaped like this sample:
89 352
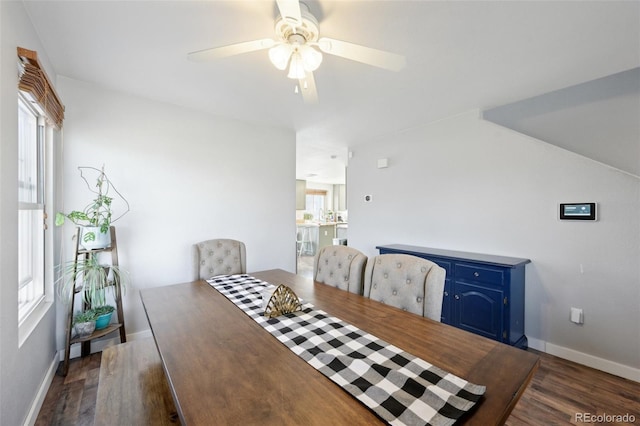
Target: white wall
471 185
589 118
188 176
23 369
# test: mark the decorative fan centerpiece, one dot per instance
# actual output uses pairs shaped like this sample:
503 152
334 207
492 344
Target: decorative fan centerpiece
299 47
282 301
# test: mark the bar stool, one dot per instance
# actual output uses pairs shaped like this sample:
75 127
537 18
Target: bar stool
304 241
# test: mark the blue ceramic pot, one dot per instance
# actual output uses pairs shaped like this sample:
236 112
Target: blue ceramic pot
103 321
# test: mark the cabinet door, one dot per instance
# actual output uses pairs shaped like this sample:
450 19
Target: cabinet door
342 204
340 197
479 310
326 234
301 189
446 316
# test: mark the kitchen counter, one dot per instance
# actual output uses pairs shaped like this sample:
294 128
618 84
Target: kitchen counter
317 235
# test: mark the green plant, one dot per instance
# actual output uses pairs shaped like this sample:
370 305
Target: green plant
102 310
307 216
84 316
98 212
92 278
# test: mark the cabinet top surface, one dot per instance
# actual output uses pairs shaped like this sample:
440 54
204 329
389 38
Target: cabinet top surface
511 262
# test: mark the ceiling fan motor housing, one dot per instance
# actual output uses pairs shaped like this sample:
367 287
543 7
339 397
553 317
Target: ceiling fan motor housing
308 30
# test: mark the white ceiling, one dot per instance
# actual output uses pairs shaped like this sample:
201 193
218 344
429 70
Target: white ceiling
460 56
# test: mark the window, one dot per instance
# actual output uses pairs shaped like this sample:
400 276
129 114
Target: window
39 113
31 209
315 203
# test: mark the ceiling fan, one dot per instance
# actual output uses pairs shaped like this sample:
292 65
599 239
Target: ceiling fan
299 47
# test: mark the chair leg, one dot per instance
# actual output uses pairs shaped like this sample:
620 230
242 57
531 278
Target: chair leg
306 241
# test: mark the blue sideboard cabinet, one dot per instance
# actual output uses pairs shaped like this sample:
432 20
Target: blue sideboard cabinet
483 294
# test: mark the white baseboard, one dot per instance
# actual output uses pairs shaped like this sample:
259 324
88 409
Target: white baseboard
32 416
145 334
539 345
602 364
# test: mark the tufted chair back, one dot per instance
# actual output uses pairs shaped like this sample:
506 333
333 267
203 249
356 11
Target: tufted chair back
406 282
218 257
341 267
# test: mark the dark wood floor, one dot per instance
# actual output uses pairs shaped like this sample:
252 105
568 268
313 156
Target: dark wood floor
559 390
562 389
71 400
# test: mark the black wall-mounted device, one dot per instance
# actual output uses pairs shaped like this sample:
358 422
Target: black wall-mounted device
578 211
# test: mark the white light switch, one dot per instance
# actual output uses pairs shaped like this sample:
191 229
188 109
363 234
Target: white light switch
577 316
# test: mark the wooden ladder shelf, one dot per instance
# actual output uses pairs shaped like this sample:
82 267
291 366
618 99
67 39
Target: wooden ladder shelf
82 254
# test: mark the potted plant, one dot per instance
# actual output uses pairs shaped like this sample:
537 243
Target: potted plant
92 278
96 218
103 316
84 323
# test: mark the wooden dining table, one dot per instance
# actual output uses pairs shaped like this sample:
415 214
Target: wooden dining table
223 368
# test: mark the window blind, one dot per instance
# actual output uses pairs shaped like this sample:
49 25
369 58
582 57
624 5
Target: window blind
34 81
316 192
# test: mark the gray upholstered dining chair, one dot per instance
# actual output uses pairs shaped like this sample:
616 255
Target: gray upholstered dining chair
406 282
340 266
218 257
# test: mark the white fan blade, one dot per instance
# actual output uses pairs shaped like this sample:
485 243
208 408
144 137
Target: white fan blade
366 55
308 89
230 50
290 11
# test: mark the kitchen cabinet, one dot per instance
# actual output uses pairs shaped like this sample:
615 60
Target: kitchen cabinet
301 194
484 294
326 234
340 197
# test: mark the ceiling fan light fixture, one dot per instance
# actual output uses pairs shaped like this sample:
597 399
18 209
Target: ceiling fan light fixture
296 67
279 56
311 58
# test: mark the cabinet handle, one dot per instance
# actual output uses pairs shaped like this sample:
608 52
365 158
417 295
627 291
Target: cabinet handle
446 293
476 274
457 297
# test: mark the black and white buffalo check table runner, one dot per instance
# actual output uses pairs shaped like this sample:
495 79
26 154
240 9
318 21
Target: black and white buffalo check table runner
398 387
